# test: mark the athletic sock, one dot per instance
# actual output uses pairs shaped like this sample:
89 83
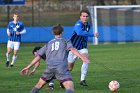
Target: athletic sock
13 59
84 69
35 90
69 91
8 56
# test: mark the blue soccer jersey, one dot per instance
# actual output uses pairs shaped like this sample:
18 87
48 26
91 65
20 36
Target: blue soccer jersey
80 35
12 28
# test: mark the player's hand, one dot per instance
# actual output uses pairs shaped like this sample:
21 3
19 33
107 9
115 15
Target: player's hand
24 71
32 73
86 59
96 34
17 33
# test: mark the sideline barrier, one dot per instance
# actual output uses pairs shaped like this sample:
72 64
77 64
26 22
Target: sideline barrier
106 34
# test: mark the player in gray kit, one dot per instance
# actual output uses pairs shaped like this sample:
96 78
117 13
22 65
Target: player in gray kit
56 52
35 53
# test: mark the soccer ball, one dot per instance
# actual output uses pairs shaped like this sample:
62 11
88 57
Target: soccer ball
113 85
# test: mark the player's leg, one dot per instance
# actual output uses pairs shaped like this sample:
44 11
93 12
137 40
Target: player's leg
38 86
9 50
14 58
84 67
71 60
16 48
64 76
49 76
69 86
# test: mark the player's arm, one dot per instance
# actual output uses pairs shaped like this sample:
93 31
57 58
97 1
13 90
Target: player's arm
41 52
8 30
80 32
75 51
26 69
23 31
35 68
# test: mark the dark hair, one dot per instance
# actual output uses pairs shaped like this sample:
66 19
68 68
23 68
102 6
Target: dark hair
84 11
35 49
58 29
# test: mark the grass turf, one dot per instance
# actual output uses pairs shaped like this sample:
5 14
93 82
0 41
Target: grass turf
108 62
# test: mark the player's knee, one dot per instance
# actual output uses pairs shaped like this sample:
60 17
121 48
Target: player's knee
68 85
40 84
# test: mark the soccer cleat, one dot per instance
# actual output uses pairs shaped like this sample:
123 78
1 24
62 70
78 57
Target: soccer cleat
83 83
62 86
7 63
50 87
11 65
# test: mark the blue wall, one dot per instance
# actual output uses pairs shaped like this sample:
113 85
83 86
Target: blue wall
119 33
107 34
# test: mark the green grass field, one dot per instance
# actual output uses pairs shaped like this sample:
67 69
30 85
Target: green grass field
119 62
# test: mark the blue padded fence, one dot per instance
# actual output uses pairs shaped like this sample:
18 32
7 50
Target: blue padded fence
107 34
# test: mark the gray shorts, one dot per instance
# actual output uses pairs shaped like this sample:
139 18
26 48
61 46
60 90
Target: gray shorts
60 72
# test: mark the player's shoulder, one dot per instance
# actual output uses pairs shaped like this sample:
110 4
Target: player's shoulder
21 23
62 39
66 40
11 22
78 23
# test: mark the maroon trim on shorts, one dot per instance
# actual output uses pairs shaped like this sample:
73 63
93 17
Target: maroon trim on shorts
45 79
68 79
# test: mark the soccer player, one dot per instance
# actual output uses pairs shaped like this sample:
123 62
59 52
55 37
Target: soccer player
35 50
79 40
56 52
14 31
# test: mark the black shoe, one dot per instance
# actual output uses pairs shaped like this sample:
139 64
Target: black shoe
7 64
62 86
83 83
51 86
11 65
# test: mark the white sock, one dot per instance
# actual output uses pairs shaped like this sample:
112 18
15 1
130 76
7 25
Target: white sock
13 60
84 69
8 56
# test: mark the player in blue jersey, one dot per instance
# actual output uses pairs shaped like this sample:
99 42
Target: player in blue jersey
79 40
14 31
56 52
